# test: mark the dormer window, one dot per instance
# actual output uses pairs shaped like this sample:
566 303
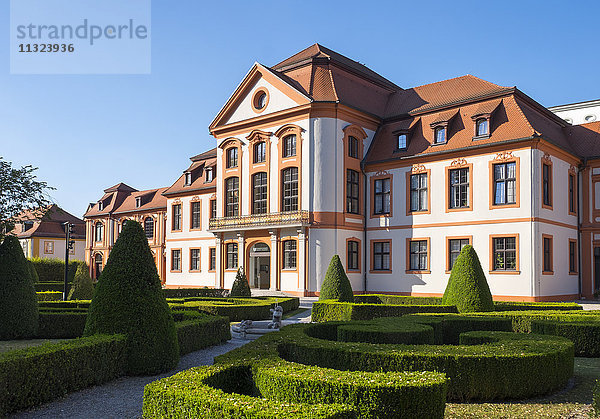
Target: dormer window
188 178
440 135
138 201
100 205
209 174
482 127
27 225
402 142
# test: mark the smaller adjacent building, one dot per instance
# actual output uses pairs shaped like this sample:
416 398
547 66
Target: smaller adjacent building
42 233
578 113
104 220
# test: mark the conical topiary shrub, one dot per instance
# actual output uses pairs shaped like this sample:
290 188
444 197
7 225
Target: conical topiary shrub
82 287
336 285
18 301
34 275
240 287
467 287
128 299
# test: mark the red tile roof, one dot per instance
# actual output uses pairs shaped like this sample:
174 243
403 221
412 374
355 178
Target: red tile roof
47 222
197 168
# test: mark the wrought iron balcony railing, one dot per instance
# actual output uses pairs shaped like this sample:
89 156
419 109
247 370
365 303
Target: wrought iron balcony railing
260 220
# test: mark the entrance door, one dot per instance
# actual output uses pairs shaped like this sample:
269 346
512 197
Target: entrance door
596 268
260 261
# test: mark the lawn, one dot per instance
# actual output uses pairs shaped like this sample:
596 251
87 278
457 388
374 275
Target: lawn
573 402
10 345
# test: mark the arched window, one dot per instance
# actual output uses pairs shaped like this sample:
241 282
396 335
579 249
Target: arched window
149 227
440 135
481 127
260 152
289 146
98 230
232 189
97 265
289 180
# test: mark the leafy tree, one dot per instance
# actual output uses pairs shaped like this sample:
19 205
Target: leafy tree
467 287
19 191
83 286
240 287
18 300
336 284
129 299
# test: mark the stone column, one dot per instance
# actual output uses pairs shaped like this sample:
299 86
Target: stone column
241 252
301 259
273 273
218 264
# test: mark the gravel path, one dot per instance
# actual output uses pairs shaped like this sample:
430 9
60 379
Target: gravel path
122 398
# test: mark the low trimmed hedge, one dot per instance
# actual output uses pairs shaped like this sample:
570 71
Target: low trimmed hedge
196 331
511 365
32 376
49 286
520 306
585 335
596 399
61 324
238 309
192 292
332 310
49 295
222 391
53 270
65 305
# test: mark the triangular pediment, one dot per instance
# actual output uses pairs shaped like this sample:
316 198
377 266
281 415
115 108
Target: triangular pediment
244 103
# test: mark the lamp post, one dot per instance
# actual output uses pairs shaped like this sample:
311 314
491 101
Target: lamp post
68 246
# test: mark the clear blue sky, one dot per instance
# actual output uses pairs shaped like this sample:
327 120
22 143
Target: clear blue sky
88 132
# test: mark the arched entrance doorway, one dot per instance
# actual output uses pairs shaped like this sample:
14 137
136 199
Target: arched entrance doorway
260 262
97 265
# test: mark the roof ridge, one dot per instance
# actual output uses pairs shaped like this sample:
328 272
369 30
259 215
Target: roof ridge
461 77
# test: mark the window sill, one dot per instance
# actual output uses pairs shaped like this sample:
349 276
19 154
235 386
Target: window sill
481 137
434 144
500 206
573 273
382 215
505 272
212 270
400 150
547 272
459 209
548 207
196 229
176 231
353 271
418 272
425 211
380 271
231 269
194 271
290 269
573 213
175 271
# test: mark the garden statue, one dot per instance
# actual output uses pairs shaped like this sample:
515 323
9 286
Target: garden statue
277 315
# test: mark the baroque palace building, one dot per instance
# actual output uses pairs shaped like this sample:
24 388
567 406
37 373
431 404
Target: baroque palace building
319 155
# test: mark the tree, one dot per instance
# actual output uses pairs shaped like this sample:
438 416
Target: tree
240 287
129 299
18 300
336 285
83 286
467 287
19 191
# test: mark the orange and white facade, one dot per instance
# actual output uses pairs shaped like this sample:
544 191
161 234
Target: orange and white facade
318 155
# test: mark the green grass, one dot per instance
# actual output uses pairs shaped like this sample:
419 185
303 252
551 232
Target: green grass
11 345
573 402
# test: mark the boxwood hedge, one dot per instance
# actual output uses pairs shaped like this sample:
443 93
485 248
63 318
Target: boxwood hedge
196 330
49 295
238 309
53 270
510 366
61 324
192 292
596 399
32 376
223 391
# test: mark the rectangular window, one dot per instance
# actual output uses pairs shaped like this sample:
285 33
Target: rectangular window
547 249
176 259
260 152
352 263
213 208
209 175
454 248
381 256
418 255
547 184
418 192
232 255
48 247
232 189
402 142
572 256
188 182
505 183
459 188
289 146
505 253
196 221
232 157
289 254
176 221
382 196
194 259
212 258
572 194
352 191
259 201
290 189
352 147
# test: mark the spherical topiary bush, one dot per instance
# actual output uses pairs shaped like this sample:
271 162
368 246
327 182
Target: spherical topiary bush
128 299
18 300
336 285
240 287
83 287
467 287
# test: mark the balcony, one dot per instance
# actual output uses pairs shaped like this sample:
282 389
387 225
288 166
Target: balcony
256 221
